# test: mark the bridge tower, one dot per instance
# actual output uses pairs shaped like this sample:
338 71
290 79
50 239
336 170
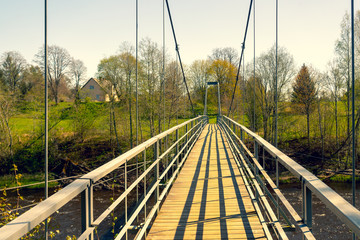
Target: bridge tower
206 94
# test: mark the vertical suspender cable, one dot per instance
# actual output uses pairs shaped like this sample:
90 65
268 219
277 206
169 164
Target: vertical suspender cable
254 127
276 103
276 79
353 101
46 115
137 93
136 72
178 54
241 57
243 92
163 69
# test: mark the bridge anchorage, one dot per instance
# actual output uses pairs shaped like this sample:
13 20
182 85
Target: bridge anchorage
195 180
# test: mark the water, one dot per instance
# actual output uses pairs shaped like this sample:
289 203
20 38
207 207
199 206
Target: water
68 218
325 224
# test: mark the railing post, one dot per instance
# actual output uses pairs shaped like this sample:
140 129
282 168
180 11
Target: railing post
307 205
87 209
242 140
166 157
156 156
126 202
177 148
187 138
277 183
145 187
256 154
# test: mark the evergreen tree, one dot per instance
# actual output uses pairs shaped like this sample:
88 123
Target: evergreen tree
304 94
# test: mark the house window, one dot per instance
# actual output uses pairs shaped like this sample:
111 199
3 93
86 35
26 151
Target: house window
91 87
97 97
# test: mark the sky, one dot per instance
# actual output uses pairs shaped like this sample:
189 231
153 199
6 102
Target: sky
94 29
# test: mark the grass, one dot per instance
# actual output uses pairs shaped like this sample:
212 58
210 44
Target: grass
8 181
341 178
212 120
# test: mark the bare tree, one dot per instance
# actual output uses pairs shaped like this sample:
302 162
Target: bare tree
173 91
7 102
128 65
265 69
13 66
342 50
200 73
335 83
151 70
78 71
228 54
58 62
109 69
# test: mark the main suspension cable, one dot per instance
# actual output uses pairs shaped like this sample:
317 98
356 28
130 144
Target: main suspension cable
178 53
241 56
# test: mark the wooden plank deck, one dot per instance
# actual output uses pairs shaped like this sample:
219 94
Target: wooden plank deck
209 199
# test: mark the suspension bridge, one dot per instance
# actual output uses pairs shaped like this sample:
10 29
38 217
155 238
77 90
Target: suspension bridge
195 181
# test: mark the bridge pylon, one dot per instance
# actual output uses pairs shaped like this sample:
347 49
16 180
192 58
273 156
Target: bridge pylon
206 94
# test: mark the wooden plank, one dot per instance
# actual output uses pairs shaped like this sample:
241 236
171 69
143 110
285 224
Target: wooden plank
209 200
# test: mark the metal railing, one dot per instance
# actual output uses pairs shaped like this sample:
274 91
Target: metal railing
168 155
261 182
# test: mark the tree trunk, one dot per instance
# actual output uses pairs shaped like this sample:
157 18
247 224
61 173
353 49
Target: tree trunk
308 127
10 137
321 134
337 130
130 116
116 135
348 111
265 123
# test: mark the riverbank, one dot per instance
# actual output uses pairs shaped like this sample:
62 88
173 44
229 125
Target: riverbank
326 175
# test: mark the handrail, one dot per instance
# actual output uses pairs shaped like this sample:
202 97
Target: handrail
27 221
259 197
347 213
241 150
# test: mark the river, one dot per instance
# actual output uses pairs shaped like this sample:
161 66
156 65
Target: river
325 224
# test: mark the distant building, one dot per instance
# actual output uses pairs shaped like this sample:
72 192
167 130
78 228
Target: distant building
97 91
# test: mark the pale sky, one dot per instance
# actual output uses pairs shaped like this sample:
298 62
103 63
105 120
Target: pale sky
93 29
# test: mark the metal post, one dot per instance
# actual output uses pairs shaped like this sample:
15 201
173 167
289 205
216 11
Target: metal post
46 136
254 127
353 104
177 147
84 210
243 93
256 154
205 104
163 70
126 202
166 157
137 96
145 182
307 205
156 156
276 79
241 138
187 137
219 104
277 185
87 209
